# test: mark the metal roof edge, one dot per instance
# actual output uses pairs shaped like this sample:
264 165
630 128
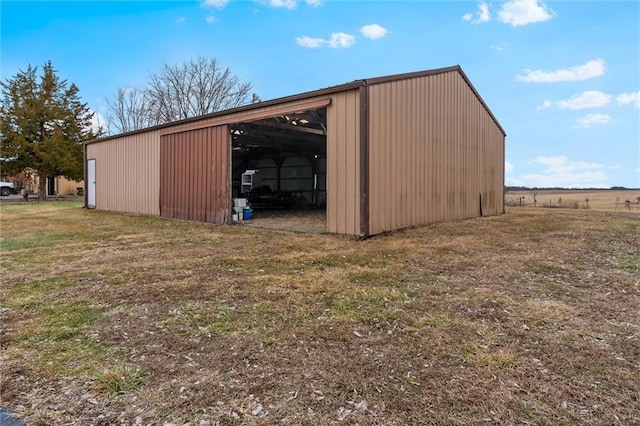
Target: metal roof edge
481 100
484 104
407 75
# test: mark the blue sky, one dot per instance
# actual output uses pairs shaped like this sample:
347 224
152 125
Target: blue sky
562 77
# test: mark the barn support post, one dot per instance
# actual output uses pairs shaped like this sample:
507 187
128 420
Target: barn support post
314 163
364 160
279 162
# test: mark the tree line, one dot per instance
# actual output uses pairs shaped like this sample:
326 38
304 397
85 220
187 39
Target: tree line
44 123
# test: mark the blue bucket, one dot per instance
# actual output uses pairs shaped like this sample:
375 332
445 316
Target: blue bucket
247 213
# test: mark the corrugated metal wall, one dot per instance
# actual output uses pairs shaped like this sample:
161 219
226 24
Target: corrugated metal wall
194 175
434 150
343 163
128 173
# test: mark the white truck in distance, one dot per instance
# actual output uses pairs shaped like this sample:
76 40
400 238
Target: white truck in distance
6 188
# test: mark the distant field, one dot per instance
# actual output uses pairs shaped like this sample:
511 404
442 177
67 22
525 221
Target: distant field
604 199
527 318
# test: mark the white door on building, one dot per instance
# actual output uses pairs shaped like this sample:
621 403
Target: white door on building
91 184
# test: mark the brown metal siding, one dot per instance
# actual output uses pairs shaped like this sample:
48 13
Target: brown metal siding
128 173
194 175
433 150
343 159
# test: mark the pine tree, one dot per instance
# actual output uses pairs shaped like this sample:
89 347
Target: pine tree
43 125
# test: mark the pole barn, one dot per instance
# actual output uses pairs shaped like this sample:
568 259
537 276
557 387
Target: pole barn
374 155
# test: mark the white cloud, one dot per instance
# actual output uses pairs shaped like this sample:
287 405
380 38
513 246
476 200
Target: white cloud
559 171
373 31
502 46
588 99
310 42
210 19
98 123
591 69
483 12
341 40
591 119
523 12
337 40
219 4
545 104
287 4
629 98
508 167
482 15
512 182
181 20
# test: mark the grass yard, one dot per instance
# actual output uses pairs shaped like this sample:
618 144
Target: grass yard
526 318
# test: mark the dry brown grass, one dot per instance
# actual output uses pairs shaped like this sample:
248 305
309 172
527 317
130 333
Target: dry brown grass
525 318
596 199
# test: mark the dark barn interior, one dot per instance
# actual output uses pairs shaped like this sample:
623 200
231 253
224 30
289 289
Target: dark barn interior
280 162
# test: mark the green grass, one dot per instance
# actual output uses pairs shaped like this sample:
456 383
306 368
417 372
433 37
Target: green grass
49 239
437 320
377 304
59 333
34 206
121 380
213 322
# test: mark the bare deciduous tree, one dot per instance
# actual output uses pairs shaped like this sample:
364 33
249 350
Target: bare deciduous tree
128 110
534 194
196 87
